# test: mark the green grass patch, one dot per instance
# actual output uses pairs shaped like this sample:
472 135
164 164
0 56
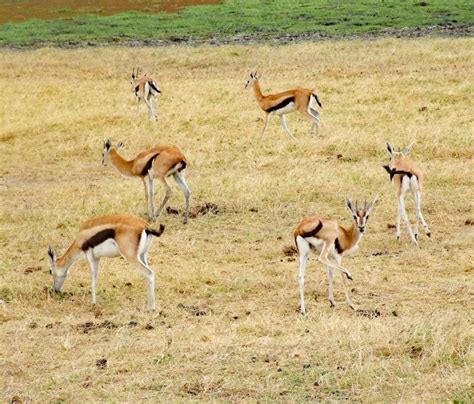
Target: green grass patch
258 19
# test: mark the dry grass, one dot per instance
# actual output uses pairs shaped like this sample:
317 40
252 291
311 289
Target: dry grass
227 325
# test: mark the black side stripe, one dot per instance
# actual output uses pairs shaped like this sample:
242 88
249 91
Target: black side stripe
312 233
149 164
393 172
282 104
338 246
98 238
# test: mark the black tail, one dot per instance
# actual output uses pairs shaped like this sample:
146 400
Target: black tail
182 166
317 100
156 233
153 87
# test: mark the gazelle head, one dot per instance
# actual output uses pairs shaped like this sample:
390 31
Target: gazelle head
59 273
134 76
397 155
360 214
108 146
252 79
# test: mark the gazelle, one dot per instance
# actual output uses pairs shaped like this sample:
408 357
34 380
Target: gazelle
406 176
280 104
159 162
331 240
145 88
108 236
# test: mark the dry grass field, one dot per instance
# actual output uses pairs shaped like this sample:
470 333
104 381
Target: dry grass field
227 325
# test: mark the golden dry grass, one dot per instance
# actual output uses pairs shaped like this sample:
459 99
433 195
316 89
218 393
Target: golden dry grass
227 326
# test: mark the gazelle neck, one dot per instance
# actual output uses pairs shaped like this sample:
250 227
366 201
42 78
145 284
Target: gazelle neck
124 166
69 258
350 237
257 91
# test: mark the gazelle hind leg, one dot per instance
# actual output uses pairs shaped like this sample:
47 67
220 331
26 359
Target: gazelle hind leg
285 127
166 198
179 178
330 272
403 213
312 114
417 215
418 210
303 249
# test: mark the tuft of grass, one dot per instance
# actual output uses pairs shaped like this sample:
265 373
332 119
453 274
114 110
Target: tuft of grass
259 20
227 325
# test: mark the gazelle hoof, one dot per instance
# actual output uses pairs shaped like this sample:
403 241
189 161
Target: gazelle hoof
303 312
332 303
349 276
428 234
416 236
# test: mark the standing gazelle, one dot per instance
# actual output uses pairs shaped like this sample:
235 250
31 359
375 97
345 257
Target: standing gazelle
331 240
406 176
159 162
108 236
280 104
145 88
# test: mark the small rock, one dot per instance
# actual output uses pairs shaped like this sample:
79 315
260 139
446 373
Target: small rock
101 363
149 327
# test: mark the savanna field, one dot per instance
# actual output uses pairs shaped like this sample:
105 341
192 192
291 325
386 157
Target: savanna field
227 325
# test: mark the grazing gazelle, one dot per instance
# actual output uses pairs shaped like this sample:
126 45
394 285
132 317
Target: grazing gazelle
331 240
108 236
159 162
145 88
280 104
406 176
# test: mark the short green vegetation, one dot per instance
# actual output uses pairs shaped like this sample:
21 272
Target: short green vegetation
250 18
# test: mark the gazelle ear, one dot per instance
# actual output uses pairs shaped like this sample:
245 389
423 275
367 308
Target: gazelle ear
107 144
389 148
349 205
51 254
407 149
371 206
120 145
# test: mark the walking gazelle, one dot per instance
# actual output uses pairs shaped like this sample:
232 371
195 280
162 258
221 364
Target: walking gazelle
159 162
145 88
280 104
406 176
331 240
108 236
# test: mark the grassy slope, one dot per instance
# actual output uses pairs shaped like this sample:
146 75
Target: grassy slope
256 18
251 343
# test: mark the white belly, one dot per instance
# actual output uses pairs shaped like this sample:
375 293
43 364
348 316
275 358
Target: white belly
108 248
291 107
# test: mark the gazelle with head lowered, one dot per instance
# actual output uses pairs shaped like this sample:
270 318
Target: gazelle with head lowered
160 162
332 241
108 236
145 88
280 104
406 176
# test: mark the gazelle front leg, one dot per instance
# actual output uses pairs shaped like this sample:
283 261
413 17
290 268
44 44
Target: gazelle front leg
323 258
267 118
346 292
303 248
285 127
149 192
330 272
403 213
94 267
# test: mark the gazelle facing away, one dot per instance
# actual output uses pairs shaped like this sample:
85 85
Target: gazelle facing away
108 236
280 104
145 88
406 176
331 240
159 162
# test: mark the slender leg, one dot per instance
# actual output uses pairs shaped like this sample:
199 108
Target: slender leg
346 292
165 199
148 182
330 286
417 214
303 248
152 107
418 209
285 127
403 212
93 263
323 257
267 118
314 116
399 214
179 178
150 277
